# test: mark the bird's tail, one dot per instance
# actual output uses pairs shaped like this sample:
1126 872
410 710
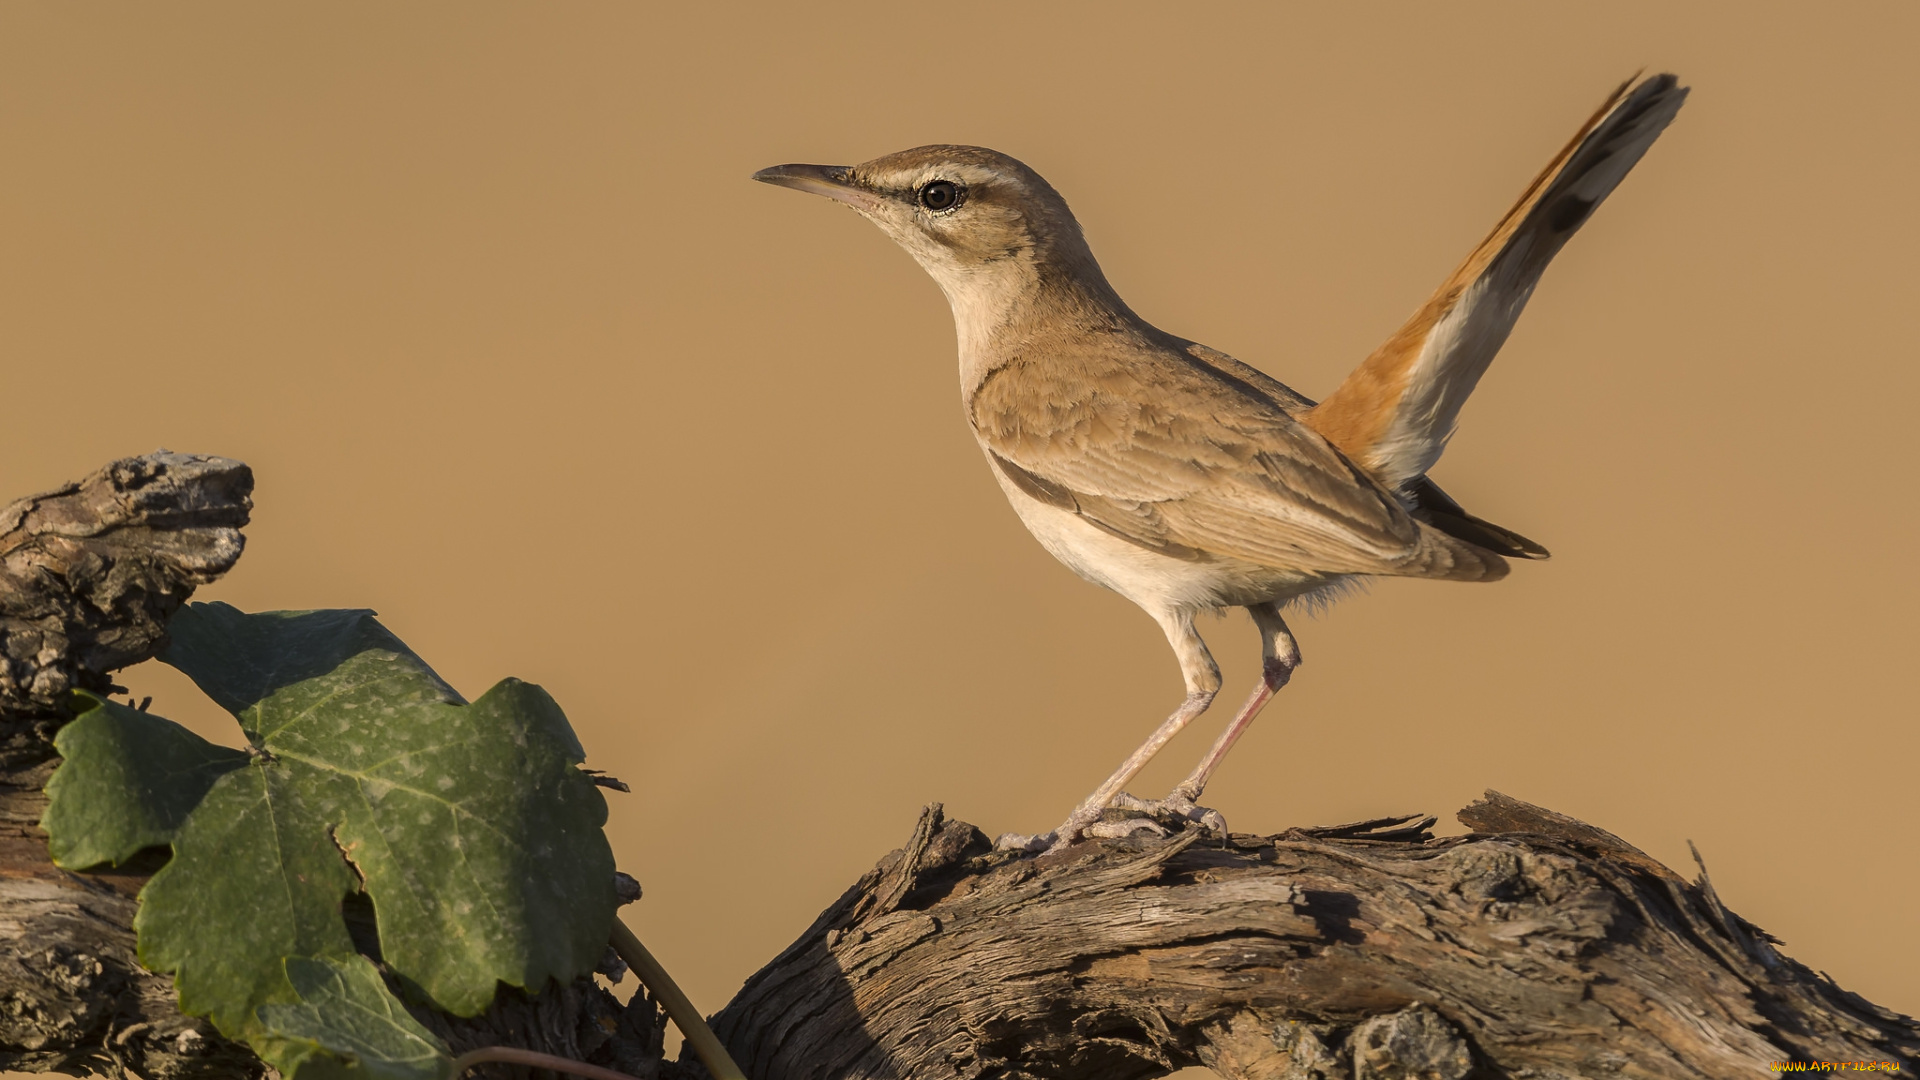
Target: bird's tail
1394 414
1446 557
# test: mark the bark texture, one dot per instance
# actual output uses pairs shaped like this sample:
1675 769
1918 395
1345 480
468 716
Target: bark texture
1536 946
89 575
90 572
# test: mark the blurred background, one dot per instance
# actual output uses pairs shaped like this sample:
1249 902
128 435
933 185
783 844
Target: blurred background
521 359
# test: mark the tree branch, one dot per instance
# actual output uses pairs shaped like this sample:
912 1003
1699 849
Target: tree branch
89 575
90 572
1536 946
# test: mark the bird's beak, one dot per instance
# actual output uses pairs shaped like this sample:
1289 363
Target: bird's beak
833 181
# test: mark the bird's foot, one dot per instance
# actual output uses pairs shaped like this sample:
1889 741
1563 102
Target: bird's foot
1178 806
1082 822
1014 841
1121 826
1126 816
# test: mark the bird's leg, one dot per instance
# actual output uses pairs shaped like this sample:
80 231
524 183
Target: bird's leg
1202 676
1279 654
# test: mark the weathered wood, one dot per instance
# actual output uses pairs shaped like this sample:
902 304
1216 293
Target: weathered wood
90 572
1538 946
89 575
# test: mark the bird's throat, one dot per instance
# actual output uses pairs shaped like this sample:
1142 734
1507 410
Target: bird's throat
1002 310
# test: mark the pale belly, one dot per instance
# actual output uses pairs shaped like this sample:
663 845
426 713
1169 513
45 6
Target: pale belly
1154 581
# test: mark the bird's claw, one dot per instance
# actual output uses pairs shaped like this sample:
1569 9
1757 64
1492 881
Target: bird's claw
1022 842
1136 815
1178 804
1120 830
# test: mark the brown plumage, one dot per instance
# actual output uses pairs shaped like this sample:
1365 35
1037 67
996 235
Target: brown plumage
1182 478
1394 413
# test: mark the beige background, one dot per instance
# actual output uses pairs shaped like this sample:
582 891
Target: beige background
523 360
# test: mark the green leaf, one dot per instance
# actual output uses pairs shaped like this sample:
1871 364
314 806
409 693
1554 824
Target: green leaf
346 1024
128 781
468 826
255 876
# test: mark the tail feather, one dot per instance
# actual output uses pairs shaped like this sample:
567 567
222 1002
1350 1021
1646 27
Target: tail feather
1394 414
1437 508
1448 558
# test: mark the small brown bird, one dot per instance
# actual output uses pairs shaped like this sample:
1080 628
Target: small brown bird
1180 477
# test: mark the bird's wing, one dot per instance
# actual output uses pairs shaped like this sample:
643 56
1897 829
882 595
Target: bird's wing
1394 414
1169 452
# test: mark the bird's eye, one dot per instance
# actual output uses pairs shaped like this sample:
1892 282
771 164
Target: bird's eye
941 195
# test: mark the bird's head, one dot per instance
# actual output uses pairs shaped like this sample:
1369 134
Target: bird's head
990 230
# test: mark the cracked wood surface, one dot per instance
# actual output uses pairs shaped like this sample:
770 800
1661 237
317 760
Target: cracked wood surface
89 575
1537 946
91 571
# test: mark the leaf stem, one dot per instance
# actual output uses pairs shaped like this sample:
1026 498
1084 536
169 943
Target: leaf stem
513 1055
693 1027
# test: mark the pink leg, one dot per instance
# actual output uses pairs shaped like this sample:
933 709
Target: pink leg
1280 655
1089 809
1202 677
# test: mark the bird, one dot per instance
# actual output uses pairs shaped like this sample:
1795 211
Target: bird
1188 481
